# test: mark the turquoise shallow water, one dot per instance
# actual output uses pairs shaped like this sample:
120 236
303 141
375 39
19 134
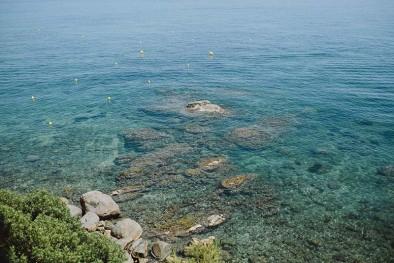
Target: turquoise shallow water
319 76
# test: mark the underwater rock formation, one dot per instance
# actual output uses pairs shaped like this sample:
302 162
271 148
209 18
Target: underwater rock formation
145 138
235 182
156 162
211 164
253 137
261 134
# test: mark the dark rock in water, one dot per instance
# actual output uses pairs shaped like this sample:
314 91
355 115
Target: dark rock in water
318 168
32 158
387 170
145 138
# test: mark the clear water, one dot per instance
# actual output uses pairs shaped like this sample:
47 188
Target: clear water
325 67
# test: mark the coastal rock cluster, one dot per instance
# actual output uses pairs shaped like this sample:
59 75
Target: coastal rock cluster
101 214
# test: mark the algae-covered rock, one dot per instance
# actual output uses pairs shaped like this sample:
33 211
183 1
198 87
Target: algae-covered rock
235 182
211 164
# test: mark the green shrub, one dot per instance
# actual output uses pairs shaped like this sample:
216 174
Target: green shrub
199 253
37 227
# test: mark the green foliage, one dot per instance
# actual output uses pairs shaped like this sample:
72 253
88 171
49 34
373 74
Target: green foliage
199 253
37 227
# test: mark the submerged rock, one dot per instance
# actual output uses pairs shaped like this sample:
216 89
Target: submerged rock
90 221
145 138
126 190
195 128
211 164
32 158
126 228
192 172
157 162
101 204
387 170
204 106
215 220
261 134
161 250
250 137
235 182
319 168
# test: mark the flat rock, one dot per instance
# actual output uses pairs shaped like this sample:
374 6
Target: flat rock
75 211
215 220
204 106
196 229
90 221
126 190
100 204
125 228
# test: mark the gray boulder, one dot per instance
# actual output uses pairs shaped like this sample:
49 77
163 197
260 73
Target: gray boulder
127 228
75 211
139 248
100 204
90 221
161 250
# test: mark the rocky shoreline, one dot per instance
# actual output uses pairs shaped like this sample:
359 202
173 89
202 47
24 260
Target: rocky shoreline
99 213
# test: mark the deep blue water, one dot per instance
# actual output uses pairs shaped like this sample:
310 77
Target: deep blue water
323 69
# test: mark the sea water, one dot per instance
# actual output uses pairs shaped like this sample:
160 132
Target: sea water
319 74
